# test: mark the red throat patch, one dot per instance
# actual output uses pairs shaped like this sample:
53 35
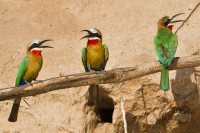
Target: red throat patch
95 41
37 52
170 27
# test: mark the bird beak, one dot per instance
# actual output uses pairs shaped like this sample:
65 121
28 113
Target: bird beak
87 36
39 44
177 20
90 34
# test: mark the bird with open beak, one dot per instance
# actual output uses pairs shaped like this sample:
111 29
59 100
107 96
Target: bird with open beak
94 58
28 70
165 44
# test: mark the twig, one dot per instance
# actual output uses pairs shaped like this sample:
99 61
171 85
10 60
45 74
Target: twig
26 102
74 104
122 107
187 17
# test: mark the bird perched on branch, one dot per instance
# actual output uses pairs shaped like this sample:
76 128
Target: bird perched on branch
165 44
28 70
94 58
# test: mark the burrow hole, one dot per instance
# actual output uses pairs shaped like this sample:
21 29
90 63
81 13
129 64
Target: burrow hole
105 109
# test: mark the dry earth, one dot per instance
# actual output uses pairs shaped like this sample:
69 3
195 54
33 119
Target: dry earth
128 28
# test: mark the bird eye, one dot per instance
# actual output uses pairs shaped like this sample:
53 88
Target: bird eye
97 35
32 46
167 21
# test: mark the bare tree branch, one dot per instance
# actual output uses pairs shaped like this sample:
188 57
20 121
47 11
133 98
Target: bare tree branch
91 78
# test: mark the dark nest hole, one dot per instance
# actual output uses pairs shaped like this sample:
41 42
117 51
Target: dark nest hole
105 109
106 115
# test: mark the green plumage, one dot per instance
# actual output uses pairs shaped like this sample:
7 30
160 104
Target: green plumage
21 70
106 53
164 82
27 71
19 81
165 44
84 58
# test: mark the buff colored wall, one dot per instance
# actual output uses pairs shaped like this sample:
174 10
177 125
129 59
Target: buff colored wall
128 28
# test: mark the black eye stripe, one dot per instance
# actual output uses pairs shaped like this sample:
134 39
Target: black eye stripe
167 22
32 46
96 35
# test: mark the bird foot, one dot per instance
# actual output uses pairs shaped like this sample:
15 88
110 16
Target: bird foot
92 71
28 83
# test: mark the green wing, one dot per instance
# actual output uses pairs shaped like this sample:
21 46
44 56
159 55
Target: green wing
84 58
172 46
165 44
106 54
21 70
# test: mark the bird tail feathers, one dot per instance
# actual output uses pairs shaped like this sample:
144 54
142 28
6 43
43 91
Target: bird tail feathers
164 82
14 111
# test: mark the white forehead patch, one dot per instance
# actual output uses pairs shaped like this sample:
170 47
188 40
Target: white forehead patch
93 30
35 41
38 49
170 17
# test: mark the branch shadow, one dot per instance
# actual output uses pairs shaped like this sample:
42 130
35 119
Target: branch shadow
186 96
184 88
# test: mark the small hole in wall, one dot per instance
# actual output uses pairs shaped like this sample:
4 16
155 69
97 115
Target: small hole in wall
105 109
106 114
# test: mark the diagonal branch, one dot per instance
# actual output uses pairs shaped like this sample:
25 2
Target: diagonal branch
91 78
188 17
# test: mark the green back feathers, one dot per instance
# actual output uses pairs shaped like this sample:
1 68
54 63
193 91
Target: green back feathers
21 70
106 54
165 44
164 81
84 58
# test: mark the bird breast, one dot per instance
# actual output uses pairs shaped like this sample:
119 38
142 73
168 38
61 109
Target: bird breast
95 56
34 67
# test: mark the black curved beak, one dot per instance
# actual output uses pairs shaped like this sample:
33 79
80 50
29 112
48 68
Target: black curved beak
39 44
90 34
87 36
177 20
